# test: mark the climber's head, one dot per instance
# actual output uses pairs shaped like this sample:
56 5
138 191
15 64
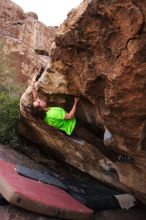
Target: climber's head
39 108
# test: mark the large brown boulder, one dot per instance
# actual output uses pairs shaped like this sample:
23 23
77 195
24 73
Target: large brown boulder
99 54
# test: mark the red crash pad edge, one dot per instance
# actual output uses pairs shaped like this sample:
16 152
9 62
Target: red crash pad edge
39 197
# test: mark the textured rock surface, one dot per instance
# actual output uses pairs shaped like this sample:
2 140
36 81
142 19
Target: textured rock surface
31 14
36 35
99 53
25 42
21 58
25 27
9 212
10 16
10 11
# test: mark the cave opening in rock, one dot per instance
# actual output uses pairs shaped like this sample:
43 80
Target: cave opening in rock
96 90
96 93
40 73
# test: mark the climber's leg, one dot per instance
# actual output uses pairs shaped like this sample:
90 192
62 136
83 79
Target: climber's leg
82 132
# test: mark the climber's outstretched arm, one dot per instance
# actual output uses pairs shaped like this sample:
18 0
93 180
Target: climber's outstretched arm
71 114
34 92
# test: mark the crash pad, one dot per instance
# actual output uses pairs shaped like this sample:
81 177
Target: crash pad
91 193
39 197
39 176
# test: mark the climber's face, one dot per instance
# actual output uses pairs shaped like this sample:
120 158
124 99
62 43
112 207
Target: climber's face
39 103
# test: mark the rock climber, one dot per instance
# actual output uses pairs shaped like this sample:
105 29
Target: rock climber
57 117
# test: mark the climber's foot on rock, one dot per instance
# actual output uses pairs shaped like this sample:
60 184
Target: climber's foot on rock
125 158
117 157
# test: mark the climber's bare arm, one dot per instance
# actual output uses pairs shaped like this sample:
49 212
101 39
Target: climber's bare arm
71 114
34 91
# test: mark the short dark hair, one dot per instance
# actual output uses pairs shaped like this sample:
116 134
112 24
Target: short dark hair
37 112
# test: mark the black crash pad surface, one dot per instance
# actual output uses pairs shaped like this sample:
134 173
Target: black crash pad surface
93 194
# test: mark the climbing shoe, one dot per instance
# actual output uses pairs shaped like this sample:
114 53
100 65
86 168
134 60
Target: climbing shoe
125 158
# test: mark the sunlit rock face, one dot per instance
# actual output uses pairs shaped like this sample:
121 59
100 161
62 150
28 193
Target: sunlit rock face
99 54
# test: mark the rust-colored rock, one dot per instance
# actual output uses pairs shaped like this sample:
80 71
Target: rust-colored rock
10 11
10 16
25 27
36 35
22 59
25 42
